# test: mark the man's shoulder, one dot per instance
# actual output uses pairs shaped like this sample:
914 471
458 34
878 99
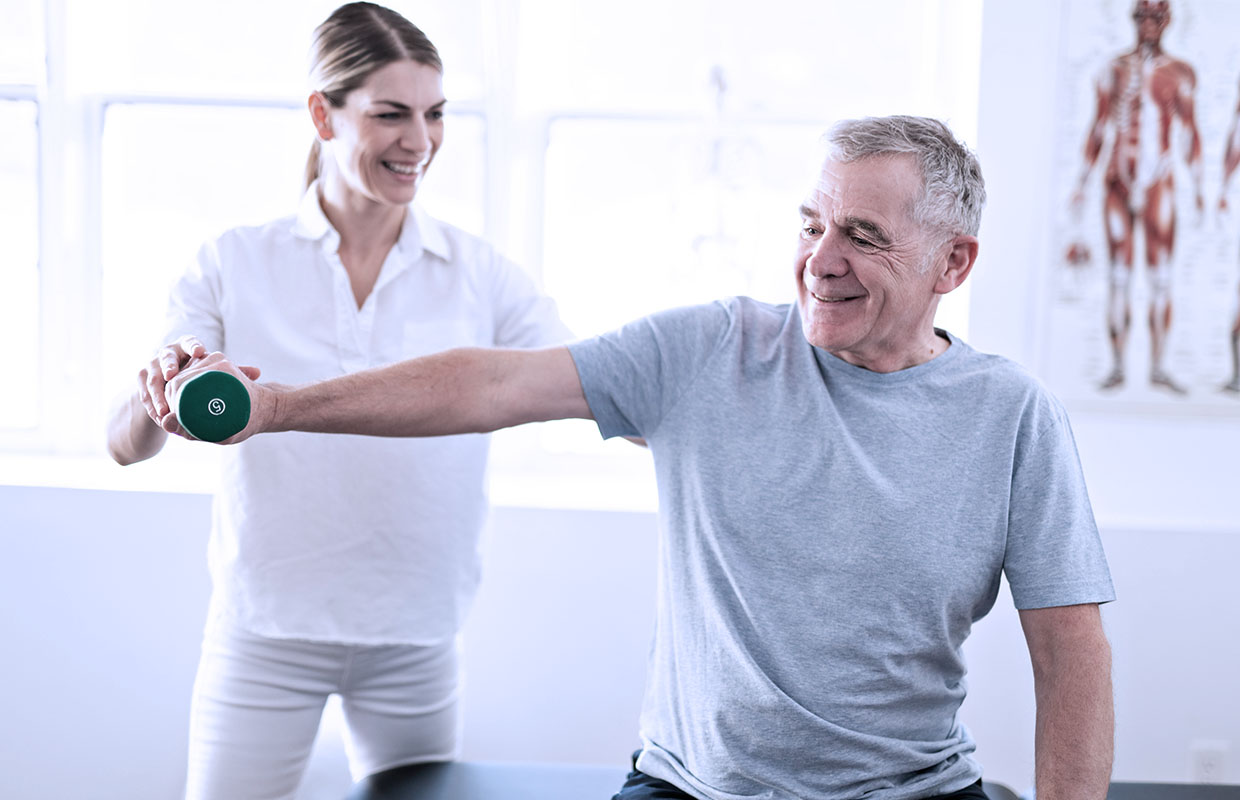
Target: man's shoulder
1000 385
759 327
743 314
758 308
997 372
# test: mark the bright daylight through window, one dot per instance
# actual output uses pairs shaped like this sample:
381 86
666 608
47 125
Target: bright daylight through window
632 157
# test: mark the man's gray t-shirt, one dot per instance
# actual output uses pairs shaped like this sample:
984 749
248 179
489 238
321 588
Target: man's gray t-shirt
828 536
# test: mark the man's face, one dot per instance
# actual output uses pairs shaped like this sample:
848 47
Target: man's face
1151 18
861 289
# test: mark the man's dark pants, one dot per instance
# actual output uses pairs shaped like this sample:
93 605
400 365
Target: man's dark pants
640 786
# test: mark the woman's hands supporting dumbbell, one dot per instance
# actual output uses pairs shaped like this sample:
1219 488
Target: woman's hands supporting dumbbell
195 394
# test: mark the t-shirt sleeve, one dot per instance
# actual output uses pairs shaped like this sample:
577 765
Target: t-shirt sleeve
633 376
524 316
1054 554
194 302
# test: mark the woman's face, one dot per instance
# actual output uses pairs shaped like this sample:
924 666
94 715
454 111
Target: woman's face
384 137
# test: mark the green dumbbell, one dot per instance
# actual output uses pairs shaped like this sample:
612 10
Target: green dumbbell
212 406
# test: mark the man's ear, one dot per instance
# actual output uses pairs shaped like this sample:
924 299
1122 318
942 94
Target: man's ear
320 115
959 263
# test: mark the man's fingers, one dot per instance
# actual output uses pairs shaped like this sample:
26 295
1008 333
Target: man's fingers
251 372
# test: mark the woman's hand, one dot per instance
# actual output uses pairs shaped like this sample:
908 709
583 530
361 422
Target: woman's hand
153 378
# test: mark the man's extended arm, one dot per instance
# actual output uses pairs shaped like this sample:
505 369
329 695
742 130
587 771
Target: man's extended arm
468 390
1075 734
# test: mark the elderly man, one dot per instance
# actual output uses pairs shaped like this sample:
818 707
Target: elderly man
841 486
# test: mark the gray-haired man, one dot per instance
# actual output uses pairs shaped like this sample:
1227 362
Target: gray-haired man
841 485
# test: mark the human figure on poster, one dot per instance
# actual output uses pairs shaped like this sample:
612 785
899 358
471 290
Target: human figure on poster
1231 160
1141 94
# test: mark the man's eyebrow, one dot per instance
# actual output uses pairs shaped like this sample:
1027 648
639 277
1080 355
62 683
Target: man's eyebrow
872 231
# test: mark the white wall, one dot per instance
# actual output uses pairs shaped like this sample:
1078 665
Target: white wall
102 603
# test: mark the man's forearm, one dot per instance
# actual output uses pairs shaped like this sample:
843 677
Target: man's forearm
424 397
1075 724
468 390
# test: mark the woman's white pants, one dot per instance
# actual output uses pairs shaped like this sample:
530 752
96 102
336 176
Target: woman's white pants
257 704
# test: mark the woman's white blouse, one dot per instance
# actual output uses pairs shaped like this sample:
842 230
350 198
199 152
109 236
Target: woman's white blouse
355 539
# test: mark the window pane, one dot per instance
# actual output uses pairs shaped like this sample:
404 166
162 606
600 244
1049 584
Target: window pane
454 189
686 216
174 176
19 266
239 47
21 42
786 57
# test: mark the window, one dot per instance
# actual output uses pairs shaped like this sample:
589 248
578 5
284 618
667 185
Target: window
681 141
21 73
21 43
19 277
633 156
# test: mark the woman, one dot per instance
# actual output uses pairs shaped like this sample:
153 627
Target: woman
340 564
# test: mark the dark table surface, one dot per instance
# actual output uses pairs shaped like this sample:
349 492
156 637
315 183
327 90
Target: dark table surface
492 781
525 781
1172 791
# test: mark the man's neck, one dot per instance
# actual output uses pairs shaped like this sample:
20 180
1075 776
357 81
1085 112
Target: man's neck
927 349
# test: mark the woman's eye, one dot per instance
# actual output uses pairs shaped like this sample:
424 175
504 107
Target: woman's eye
435 116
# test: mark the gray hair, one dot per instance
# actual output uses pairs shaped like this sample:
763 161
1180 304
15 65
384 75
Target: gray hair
953 191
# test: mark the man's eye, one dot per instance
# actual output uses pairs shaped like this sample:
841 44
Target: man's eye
435 116
861 241
810 230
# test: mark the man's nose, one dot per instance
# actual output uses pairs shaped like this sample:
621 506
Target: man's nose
827 259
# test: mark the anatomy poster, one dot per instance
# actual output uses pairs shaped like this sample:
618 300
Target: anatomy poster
1143 308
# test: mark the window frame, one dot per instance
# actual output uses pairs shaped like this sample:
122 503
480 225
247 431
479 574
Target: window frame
65 446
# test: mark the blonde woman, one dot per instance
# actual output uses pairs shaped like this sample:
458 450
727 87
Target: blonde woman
340 564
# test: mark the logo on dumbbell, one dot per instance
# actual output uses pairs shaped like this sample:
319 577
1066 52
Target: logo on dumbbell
216 406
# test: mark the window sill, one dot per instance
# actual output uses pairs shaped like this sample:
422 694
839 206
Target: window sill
559 481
